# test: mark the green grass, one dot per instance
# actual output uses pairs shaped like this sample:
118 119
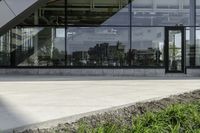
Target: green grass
179 118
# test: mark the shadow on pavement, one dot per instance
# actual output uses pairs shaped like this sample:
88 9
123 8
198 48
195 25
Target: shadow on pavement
9 116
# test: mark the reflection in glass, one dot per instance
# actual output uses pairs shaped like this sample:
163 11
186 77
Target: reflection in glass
38 47
198 12
160 12
98 34
53 13
5 49
104 46
190 46
98 12
175 50
197 47
147 46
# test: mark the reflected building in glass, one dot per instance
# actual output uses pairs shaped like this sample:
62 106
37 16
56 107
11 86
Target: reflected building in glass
155 35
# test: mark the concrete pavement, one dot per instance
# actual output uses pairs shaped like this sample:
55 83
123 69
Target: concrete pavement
26 100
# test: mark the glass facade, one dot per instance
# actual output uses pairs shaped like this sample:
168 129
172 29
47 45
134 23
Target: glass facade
175 50
147 47
98 46
38 46
197 50
5 49
101 33
53 13
98 12
160 12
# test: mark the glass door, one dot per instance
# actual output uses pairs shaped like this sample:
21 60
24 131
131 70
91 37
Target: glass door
174 50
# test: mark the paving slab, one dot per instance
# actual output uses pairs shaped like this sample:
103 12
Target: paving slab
27 100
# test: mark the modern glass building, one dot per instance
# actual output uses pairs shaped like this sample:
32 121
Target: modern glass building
100 37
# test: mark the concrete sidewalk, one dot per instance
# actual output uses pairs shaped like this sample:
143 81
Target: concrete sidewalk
26 100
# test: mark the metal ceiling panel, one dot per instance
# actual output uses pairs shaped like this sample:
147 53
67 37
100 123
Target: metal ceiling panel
13 12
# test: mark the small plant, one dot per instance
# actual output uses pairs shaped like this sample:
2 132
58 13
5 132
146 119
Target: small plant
179 118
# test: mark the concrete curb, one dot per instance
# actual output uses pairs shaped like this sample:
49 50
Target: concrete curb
74 118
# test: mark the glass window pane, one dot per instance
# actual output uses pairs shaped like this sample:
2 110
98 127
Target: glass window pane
160 12
147 46
97 46
190 46
98 12
53 13
175 50
5 49
38 46
198 12
198 46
